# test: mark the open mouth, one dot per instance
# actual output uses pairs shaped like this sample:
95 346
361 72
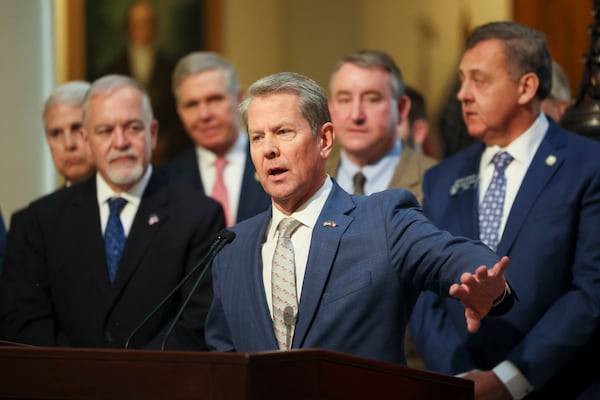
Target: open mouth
277 171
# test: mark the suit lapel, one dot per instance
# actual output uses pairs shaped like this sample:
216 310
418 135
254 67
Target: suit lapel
150 216
465 191
326 236
546 162
85 217
255 271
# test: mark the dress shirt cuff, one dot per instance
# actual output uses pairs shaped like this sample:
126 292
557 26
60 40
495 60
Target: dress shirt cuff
500 299
513 379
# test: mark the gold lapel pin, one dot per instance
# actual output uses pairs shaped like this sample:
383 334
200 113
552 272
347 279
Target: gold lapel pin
330 223
550 160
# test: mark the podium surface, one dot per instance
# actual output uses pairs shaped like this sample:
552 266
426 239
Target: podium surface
61 373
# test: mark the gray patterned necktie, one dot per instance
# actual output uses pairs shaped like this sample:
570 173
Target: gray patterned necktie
283 285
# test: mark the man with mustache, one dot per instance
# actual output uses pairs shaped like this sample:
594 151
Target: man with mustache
92 271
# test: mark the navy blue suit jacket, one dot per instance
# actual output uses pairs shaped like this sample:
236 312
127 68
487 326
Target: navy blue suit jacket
552 237
253 198
368 258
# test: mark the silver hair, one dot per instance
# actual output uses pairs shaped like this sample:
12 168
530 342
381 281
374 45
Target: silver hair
109 84
201 61
313 100
70 93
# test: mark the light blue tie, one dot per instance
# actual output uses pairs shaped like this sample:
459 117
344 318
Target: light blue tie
114 236
490 210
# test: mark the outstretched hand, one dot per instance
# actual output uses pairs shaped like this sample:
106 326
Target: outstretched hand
478 291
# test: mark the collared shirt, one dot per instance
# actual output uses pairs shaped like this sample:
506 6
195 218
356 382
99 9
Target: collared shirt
233 174
378 176
133 197
522 149
307 214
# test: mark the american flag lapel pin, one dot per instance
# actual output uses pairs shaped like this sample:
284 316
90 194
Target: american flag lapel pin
153 219
330 224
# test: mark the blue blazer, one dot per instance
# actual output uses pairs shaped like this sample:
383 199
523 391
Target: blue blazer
552 237
253 198
368 258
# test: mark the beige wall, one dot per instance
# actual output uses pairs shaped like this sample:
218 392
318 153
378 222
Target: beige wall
308 36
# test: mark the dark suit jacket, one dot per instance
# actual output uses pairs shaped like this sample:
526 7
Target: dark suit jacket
552 239
60 294
253 198
368 257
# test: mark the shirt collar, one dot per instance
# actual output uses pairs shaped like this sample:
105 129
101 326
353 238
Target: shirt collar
307 214
524 147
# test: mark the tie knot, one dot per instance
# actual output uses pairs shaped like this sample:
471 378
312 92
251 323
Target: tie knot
287 226
359 183
220 163
501 160
116 204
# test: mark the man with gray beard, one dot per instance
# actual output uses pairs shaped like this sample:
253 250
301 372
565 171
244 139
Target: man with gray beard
102 254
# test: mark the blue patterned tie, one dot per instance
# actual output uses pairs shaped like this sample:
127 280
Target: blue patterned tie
490 210
114 236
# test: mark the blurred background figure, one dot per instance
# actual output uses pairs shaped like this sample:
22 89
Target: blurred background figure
555 105
207 90
63 116
414 130
152 68
368 103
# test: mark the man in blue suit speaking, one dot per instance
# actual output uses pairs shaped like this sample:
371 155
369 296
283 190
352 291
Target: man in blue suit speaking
346 277
549 224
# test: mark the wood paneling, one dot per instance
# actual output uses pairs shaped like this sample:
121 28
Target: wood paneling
565 23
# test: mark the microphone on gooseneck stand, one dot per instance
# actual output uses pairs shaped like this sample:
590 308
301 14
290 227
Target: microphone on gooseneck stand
224 237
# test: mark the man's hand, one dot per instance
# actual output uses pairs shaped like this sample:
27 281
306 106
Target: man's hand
479 291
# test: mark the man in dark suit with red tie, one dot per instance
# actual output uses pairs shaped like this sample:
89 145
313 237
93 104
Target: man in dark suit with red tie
63 293
207 91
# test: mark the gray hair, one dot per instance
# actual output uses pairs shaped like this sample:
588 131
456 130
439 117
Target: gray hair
204 60
526 51
71 93
313 100
561 88
376 59
109 84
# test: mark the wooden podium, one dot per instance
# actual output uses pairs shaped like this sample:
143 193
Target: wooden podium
53 373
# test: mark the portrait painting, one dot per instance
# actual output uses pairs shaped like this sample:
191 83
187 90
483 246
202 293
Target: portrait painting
144 39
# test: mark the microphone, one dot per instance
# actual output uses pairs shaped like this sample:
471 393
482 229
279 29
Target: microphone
289 319
224 237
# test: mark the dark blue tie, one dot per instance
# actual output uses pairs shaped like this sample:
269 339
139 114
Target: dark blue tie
114 236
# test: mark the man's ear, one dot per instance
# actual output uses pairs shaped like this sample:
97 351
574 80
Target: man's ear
404 105
154 133
528 86
326 139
